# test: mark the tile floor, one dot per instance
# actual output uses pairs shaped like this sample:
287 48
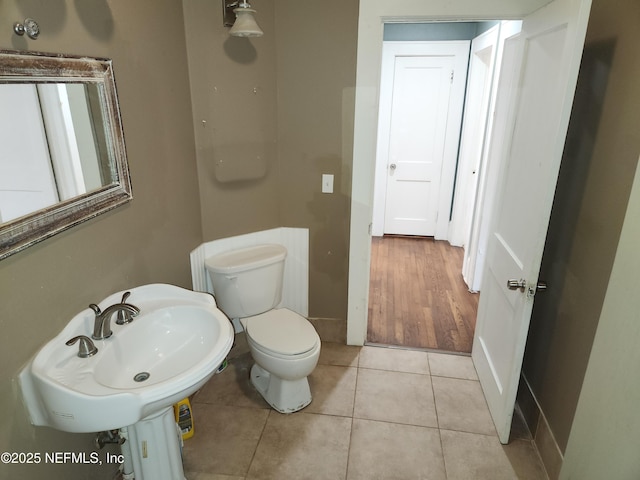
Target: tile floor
377 413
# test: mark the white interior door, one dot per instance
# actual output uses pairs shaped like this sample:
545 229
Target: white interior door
422 89
476 109
541 104
497 130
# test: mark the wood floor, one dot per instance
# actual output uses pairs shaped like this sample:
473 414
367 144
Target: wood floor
417 296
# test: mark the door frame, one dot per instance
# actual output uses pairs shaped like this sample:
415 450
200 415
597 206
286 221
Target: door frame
373 15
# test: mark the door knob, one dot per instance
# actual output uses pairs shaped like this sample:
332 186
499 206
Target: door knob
513 284
392 166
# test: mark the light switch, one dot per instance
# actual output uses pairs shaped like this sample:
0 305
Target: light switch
327 183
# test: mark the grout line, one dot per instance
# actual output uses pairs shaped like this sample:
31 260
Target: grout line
390 422
355 390
433 392
416 349
435 407
253 456
444 462
353 412
395 371
457 430
346 472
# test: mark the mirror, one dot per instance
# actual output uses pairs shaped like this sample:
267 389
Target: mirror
62 152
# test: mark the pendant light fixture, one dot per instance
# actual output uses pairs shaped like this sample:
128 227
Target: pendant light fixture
239 16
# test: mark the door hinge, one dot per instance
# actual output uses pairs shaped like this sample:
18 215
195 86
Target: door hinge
370 228
452 72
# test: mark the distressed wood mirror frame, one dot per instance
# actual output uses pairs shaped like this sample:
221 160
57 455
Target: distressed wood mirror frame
35 68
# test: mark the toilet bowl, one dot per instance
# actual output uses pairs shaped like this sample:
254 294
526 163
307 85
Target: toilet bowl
286 348
247 285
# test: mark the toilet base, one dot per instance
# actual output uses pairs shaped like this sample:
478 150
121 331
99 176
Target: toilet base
285 396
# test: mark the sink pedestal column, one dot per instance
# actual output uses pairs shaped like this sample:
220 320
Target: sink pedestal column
155 447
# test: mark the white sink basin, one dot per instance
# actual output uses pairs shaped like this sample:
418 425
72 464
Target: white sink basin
172 348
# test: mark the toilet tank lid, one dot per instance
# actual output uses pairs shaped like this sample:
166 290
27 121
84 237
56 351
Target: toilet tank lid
246 258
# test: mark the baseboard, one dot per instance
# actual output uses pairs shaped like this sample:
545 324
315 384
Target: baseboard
543 437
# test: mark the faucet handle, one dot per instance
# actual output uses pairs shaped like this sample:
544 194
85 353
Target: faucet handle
124 316
87 348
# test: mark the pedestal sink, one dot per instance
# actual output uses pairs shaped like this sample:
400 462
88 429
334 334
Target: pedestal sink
169 350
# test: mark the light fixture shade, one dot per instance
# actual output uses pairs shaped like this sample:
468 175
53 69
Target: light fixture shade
245 25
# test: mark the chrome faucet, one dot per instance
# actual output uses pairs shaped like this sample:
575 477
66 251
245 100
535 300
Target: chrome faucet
102 325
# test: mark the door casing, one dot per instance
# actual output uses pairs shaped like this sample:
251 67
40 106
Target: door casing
373 14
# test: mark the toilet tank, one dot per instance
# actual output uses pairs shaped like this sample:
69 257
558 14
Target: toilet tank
247 281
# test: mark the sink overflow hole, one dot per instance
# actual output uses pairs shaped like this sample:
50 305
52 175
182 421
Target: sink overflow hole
141 377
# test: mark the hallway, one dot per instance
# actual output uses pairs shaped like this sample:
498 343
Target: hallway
417 297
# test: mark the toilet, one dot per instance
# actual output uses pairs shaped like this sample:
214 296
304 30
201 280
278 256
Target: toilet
247 285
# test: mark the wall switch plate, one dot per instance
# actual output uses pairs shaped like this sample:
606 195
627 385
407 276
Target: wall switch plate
327 183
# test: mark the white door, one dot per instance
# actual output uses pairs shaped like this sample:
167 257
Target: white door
496 129
479 82
541 106
421 116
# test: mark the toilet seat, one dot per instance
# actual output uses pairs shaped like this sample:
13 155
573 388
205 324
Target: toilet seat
281 332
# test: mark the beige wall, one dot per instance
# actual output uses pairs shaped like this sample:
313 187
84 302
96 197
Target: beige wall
148 240
316 45
606 431
600 159
271 114
233 88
